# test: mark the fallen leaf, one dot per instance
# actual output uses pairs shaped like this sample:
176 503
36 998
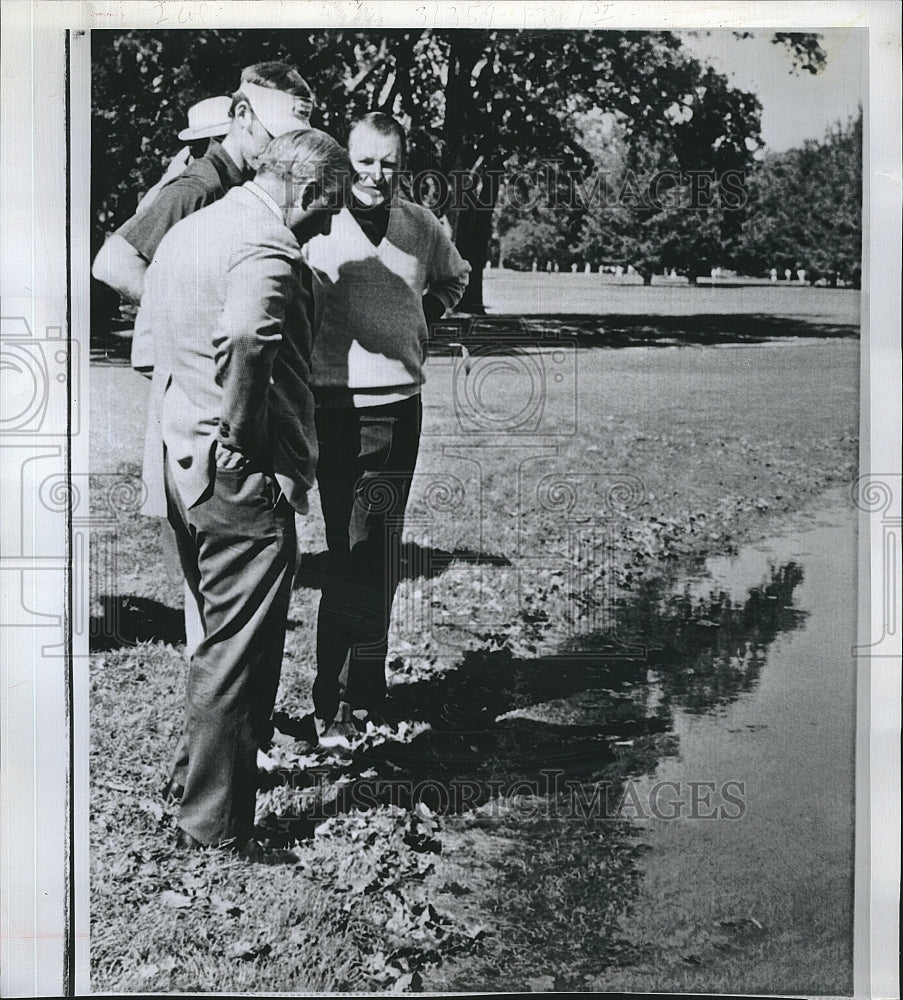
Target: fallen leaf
153 807
455 889
176 900
408 982
225 907
246 952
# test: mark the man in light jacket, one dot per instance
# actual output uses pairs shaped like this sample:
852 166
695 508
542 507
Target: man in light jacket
228 301
273 98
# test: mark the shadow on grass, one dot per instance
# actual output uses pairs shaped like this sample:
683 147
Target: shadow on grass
417 562
126 620
600 710
602 330
627 330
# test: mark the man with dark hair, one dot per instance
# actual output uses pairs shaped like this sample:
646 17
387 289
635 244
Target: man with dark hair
228 299
387 270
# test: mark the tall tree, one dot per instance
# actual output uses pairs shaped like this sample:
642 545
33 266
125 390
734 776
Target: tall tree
476 102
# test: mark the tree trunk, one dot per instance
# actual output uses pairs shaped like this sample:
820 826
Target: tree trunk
647 277
474 230
471 227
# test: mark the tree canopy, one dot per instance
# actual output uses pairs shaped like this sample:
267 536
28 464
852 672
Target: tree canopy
805 208
477 103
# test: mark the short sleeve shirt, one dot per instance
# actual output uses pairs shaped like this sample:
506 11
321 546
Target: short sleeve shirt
201 183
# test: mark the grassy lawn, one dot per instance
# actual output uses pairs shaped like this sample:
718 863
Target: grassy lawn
539 504
602 296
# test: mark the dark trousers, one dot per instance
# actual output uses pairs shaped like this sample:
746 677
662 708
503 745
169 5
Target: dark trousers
238 547
367 459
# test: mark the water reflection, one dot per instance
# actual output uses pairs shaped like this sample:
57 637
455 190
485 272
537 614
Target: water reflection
588 714
705 652
546 755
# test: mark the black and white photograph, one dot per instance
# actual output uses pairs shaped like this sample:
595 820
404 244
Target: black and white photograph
477 576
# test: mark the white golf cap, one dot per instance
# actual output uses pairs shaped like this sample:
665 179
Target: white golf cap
278 111
207 118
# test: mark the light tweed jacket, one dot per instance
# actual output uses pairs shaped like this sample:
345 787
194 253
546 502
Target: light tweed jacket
227 300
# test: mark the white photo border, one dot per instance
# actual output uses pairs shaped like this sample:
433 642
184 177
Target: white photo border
45 124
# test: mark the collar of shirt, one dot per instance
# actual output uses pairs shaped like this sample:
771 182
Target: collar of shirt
267 199
227 168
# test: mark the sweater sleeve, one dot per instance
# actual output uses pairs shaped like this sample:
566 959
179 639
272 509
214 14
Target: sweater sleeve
448 271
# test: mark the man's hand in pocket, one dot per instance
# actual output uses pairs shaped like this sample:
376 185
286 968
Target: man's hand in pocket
128 311
230 459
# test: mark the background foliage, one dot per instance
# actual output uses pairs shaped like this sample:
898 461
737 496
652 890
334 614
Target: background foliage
489 103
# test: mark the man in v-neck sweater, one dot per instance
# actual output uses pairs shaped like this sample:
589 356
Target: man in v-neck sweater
387 270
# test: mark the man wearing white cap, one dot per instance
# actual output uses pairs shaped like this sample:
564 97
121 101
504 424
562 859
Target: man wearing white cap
208 119
273 99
